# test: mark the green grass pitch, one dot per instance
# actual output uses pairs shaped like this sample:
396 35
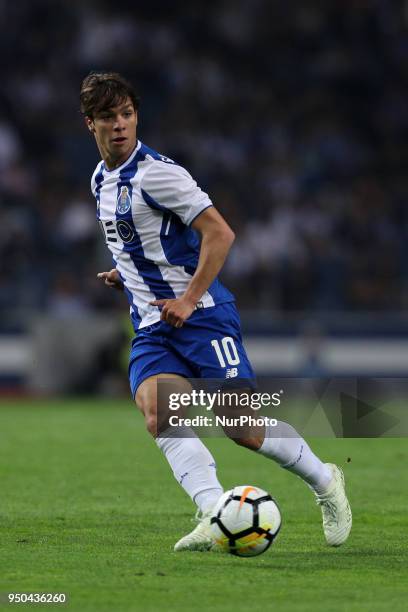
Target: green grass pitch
89 507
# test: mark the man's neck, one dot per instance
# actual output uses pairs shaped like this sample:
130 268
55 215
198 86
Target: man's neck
112 163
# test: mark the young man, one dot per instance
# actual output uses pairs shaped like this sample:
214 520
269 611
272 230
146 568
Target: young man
151 212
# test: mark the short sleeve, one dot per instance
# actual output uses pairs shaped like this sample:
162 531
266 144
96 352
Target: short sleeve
97 174
170 187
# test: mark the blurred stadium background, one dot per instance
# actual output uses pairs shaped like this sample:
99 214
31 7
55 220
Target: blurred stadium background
292 115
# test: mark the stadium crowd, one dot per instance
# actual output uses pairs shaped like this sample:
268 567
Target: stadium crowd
292 115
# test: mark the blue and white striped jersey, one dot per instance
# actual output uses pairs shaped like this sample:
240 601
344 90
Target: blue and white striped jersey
145 208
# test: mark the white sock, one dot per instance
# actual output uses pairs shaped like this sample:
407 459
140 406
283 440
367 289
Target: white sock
193 466
284 445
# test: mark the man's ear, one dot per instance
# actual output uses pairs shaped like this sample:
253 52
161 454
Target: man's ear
90 124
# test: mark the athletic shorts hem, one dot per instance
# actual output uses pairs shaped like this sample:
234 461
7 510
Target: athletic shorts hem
147 375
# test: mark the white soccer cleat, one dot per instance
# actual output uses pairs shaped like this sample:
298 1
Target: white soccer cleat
200 539
336 511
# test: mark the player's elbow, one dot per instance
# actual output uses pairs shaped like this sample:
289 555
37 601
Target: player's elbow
228 236
220 237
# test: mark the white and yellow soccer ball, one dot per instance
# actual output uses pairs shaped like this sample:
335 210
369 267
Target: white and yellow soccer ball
245 521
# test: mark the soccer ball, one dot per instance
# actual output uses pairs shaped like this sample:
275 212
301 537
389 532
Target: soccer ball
245 521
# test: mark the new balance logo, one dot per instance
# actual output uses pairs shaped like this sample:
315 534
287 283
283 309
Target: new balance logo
231 373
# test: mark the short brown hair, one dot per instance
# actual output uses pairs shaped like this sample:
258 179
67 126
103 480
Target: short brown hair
103 90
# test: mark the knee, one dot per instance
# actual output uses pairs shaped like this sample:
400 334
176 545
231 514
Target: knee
155 424
239 441
151 424
149 411
251 443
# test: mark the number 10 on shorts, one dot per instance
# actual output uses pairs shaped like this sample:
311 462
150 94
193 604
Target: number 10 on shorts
226 351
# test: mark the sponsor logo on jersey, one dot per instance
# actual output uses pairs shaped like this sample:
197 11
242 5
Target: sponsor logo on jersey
125 231
166 159
124 201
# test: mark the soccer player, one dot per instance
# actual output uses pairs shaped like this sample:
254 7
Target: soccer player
168 244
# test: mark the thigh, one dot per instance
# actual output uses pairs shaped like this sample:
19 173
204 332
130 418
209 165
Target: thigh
151 357
155 405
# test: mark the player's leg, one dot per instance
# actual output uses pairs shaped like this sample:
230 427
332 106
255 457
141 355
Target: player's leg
285 446
281 443
215 340
192 464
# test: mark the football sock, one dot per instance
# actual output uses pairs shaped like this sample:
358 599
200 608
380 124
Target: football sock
192 464
284 445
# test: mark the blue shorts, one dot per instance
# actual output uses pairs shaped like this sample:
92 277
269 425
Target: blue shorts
209 345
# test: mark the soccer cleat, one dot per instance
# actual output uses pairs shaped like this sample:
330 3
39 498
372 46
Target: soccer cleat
200 539
336 511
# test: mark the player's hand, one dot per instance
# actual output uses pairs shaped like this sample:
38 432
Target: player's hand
112 279
175 312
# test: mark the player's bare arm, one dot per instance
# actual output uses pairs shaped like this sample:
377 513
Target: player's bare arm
111 279
216 240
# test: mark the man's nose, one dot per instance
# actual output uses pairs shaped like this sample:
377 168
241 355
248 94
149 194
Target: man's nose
119 124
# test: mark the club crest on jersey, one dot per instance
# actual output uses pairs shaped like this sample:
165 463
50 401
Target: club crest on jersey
124 201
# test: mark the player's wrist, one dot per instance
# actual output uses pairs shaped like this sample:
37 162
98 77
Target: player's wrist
190 300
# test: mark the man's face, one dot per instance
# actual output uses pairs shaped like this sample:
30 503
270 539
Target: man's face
115 132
